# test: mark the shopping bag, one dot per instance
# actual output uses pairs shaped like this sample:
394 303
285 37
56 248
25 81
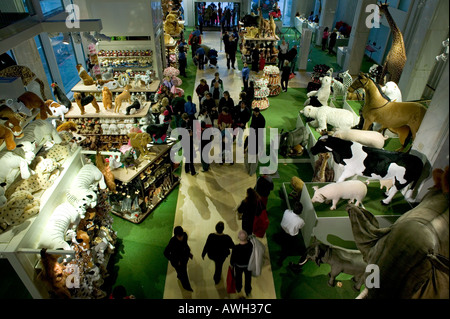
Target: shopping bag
231 281
260 224
291 76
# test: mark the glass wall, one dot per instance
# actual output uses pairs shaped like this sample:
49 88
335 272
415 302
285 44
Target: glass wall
65 58
37 39
50 7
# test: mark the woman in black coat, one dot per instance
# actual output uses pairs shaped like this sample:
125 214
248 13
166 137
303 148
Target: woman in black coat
285 72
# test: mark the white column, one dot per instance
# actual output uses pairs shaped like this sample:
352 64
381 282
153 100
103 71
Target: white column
326 17
358 38
423 37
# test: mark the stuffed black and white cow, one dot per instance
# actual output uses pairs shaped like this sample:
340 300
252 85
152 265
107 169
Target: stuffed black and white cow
356 159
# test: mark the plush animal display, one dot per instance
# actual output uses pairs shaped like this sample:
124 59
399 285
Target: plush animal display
85 77
128 158
57 109
67 126
392 91
58 152
348 261
18 107
321 96
325 115
122 97
54 275
104 167
289 140
46 169
355 159
60 96
108 75
25 73
133 108
353 190
11 120
402 118
41 131
112 85
411 254
10 165
33 101
20 206
367 138
7 137
139 142
158 131
322 170
340 88
83 101
83 188
297 185
64 218
107 98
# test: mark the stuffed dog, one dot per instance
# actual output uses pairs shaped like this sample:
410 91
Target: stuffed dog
83 101
124 96
85 77
107 98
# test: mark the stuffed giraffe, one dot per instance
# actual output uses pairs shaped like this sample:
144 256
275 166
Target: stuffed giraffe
396 58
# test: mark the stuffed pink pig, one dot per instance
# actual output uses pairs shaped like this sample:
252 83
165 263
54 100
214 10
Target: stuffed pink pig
352 190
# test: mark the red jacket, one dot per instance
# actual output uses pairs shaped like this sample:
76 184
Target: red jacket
202 89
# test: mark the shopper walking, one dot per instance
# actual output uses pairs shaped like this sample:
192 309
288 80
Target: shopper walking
231 54
325 35
200 23
245 76
292 58
190 108
188 125
241 117
226 101
250 206
332 42
178 253
217 93
217 79
250 93
283 50
255 58
178 109
217 247
264 185
205 158
291 223
200 57
258 121
201 90
285 73
182 60
240 257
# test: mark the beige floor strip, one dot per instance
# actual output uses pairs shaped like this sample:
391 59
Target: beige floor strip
208 198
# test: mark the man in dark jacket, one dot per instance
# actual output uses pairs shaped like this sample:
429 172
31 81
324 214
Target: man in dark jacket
231 53
178 253
241 117
258 121
218 246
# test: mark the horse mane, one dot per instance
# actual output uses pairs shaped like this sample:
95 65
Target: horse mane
379 89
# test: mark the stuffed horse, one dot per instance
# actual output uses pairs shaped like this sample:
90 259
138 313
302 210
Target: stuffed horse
399 117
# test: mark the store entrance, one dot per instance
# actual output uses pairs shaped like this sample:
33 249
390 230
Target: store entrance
217 15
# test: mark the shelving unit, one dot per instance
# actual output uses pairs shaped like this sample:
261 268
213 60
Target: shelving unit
151 181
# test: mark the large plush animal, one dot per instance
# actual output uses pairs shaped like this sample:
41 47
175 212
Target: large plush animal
157 131
122 97
396 59
33 101
399 117
11 163
7 137
325 115
107 98
288 140
321 96
348 261
139 141
412 254
392 91
19 207
83 189
367 138
250 20
41 131
64 218
104 167
25 74
82 101
61 96
340 88
84 76
353 190
11 120
57 109
355 159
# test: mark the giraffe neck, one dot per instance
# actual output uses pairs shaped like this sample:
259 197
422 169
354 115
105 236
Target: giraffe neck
396 34
323 167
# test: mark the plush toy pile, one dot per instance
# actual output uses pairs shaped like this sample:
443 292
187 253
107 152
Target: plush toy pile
261 94
272 74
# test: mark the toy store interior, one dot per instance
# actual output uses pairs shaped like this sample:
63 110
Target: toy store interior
240 149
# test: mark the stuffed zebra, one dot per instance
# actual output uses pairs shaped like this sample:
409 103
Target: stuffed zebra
340 88
41 131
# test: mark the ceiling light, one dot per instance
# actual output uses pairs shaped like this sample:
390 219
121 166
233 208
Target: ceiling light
66 38
76 36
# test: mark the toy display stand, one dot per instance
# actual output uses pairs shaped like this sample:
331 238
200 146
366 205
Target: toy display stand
333 226
151 88
261 93
272 74
75 112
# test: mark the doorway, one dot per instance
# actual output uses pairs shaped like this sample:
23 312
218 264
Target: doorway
217 15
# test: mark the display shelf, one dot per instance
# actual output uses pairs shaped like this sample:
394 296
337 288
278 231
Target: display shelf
127 175
75 112
80 87
326 224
